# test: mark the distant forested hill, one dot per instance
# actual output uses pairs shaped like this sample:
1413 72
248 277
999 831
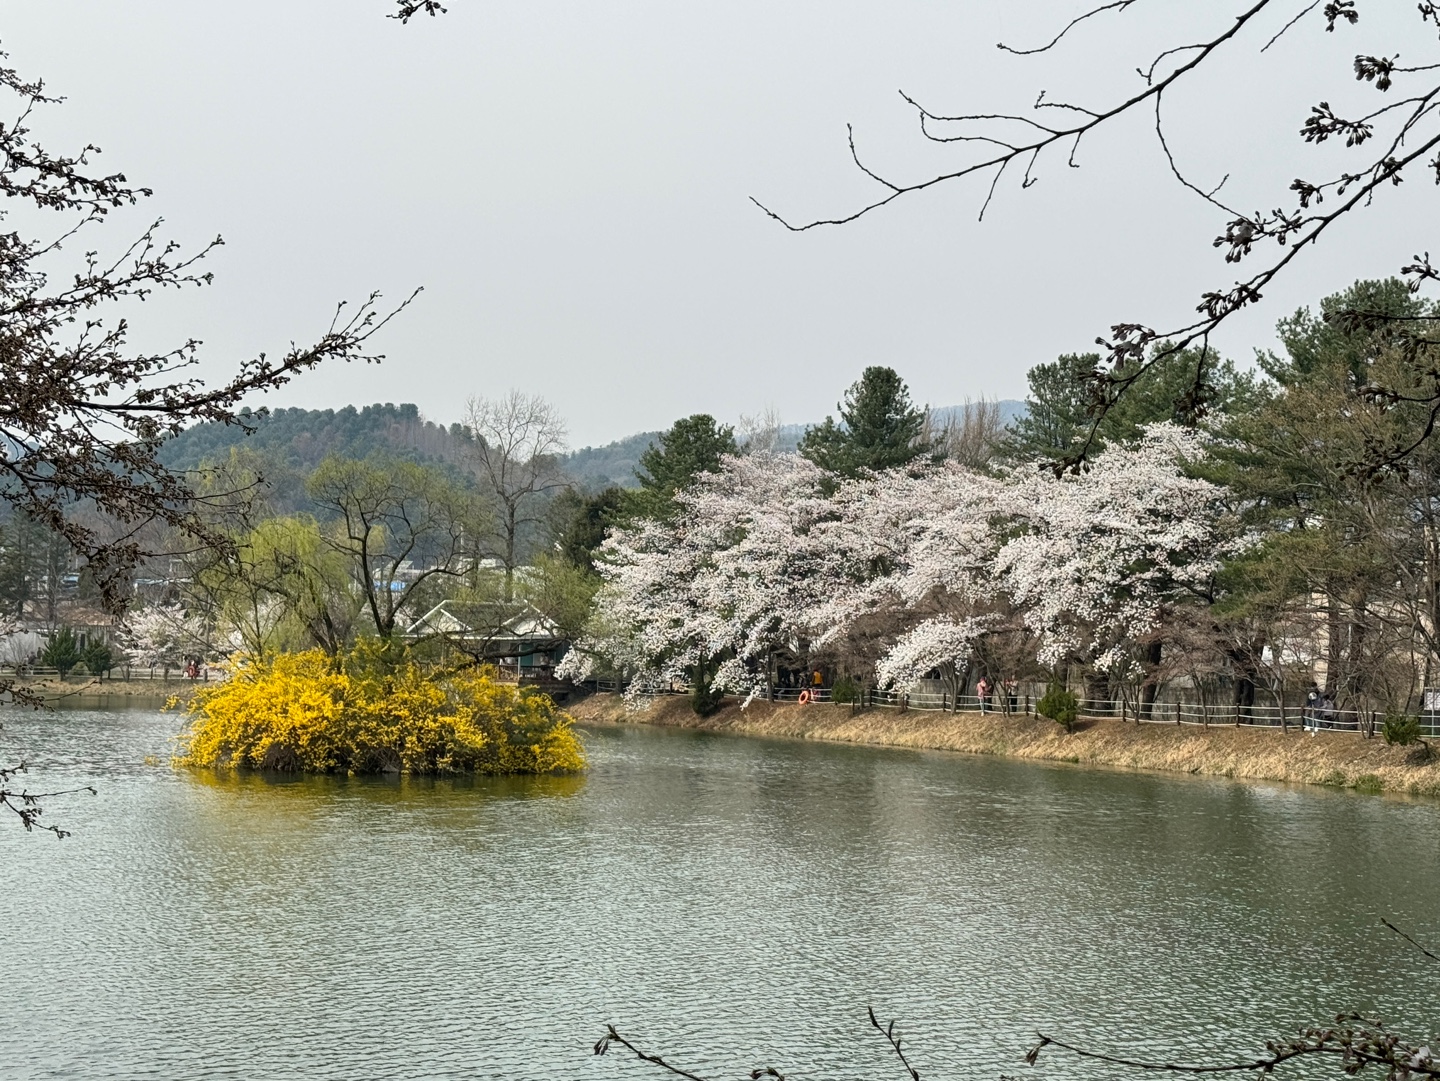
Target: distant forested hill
302 438
614 463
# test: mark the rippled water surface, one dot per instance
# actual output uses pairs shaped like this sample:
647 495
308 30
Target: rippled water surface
733 902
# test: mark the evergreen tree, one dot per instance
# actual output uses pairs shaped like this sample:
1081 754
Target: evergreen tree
1347 539
879 428
33 562
580 522
19 564
1338 339
96 655
692 446
1057 417
63 651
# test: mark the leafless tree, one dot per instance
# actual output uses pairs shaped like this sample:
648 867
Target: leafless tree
969 435
1386 143
515 453
760 434
83 413
408 9
27 805
400 526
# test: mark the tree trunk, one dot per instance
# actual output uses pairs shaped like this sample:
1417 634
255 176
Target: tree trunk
510 529
1334 644
1150 689
1097 689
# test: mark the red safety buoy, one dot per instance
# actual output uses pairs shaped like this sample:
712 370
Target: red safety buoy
804 697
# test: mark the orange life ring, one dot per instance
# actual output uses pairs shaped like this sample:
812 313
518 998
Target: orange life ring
804 697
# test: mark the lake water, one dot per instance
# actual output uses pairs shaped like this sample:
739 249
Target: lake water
732 903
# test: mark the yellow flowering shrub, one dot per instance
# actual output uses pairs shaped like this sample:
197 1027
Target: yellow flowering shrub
365 712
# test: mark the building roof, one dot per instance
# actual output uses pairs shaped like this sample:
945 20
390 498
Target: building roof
514 626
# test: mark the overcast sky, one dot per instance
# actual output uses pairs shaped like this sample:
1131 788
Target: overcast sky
569 182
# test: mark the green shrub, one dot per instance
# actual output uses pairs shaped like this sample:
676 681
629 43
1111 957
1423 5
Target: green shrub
63 652
1401 731
96 656
1060 705
846 690
705 701
1369 782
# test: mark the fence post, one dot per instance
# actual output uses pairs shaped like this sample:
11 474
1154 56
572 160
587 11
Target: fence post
1177 713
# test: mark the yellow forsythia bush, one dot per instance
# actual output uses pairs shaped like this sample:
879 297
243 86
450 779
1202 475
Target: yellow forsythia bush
362 713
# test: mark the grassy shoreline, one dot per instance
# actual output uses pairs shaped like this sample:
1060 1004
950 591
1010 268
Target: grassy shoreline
89 692
1334 759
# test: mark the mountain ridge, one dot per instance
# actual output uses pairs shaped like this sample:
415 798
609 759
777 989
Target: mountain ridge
302 438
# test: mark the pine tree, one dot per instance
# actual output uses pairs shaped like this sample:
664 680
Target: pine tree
1058 417
63 652
692 446
879 428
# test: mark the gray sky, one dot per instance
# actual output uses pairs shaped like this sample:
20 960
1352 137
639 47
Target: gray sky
569 182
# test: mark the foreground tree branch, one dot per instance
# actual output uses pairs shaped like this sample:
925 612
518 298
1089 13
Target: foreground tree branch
83 414
26 804
1389 142
1354 1042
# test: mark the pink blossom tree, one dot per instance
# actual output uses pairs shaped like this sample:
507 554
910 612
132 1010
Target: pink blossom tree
911 570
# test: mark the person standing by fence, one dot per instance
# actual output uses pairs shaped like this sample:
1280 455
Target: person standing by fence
982 690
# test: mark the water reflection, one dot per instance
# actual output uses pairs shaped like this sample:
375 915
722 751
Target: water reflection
383 789
735 902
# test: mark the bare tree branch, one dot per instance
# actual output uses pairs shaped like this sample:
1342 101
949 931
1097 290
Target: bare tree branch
1411 135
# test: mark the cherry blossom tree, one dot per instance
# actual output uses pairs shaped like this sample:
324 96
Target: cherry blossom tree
161 635
1098 555
706 595
910 570
916 548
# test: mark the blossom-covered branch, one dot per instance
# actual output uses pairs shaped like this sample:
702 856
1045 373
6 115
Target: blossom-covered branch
933 561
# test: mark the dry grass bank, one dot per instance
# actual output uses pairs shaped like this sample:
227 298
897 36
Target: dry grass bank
1340 759
90 691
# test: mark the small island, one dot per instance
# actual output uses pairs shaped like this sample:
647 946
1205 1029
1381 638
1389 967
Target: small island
373 709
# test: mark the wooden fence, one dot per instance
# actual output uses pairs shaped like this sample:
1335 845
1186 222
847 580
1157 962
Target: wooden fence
122 672
1196 714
